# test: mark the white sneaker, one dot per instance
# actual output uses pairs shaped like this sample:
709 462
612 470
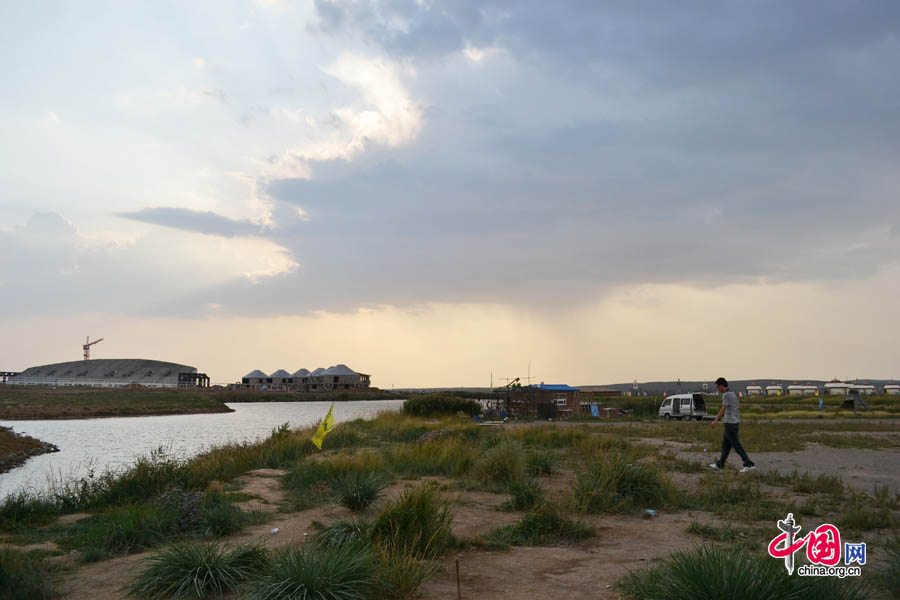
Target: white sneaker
747 469
715 466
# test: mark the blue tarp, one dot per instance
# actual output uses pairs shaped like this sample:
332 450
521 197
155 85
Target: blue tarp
554 387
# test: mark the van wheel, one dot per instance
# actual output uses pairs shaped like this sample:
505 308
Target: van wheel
699 418
666 416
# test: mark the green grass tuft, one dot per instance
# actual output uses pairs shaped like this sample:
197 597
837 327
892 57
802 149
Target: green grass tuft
449 456
343 532
862 513
219 516
712 573
501 464
544 525
347 572
889 576
189 570
418 523
524 494
617 484
25 576
541 462
725 533
358 491
121 531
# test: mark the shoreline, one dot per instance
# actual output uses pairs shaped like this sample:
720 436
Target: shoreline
20 403
16 449
76 417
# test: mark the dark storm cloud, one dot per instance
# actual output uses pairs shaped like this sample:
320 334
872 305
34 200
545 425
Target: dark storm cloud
601 144
193 220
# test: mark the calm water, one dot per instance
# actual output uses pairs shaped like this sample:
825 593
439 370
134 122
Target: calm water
117 442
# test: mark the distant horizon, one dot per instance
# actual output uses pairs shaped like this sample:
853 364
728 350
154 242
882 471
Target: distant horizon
498 382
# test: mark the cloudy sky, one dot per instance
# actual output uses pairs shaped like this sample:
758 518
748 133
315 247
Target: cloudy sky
434 191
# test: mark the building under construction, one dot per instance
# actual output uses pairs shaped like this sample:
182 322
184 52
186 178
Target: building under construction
554 401
113 372
338 377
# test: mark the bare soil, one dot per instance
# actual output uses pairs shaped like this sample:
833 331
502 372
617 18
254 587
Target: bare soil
586 571
860 470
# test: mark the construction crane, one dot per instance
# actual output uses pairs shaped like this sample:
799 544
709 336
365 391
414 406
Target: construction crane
87 346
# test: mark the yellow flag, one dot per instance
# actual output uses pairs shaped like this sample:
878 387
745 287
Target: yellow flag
325 428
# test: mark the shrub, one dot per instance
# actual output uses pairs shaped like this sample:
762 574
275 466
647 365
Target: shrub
442 403
196 571
358 491
345 572
617 485
501 464
524 494
25 576
711 573
418 523
545 524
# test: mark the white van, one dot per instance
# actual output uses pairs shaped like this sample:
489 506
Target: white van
683 406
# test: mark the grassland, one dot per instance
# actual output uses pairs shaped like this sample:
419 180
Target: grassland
39 402
390 503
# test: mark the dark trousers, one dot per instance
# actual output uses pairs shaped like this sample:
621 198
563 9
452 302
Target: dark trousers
730 440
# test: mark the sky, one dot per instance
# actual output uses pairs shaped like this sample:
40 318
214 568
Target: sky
438 193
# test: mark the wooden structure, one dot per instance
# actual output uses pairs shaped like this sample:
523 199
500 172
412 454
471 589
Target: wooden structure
544 401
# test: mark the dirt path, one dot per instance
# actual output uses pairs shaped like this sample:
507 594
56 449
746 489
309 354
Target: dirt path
861 470
572 572
266 485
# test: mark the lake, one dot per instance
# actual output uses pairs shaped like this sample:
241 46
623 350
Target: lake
113 443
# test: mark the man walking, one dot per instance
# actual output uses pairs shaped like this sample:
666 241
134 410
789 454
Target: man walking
732 420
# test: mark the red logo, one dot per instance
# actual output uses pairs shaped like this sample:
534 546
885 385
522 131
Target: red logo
823 546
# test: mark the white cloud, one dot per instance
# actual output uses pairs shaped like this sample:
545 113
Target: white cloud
479 55
54 266
385 114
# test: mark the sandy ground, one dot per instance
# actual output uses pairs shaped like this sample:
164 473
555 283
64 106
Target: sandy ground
583 571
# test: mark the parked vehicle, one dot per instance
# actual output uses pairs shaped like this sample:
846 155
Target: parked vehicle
683 406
